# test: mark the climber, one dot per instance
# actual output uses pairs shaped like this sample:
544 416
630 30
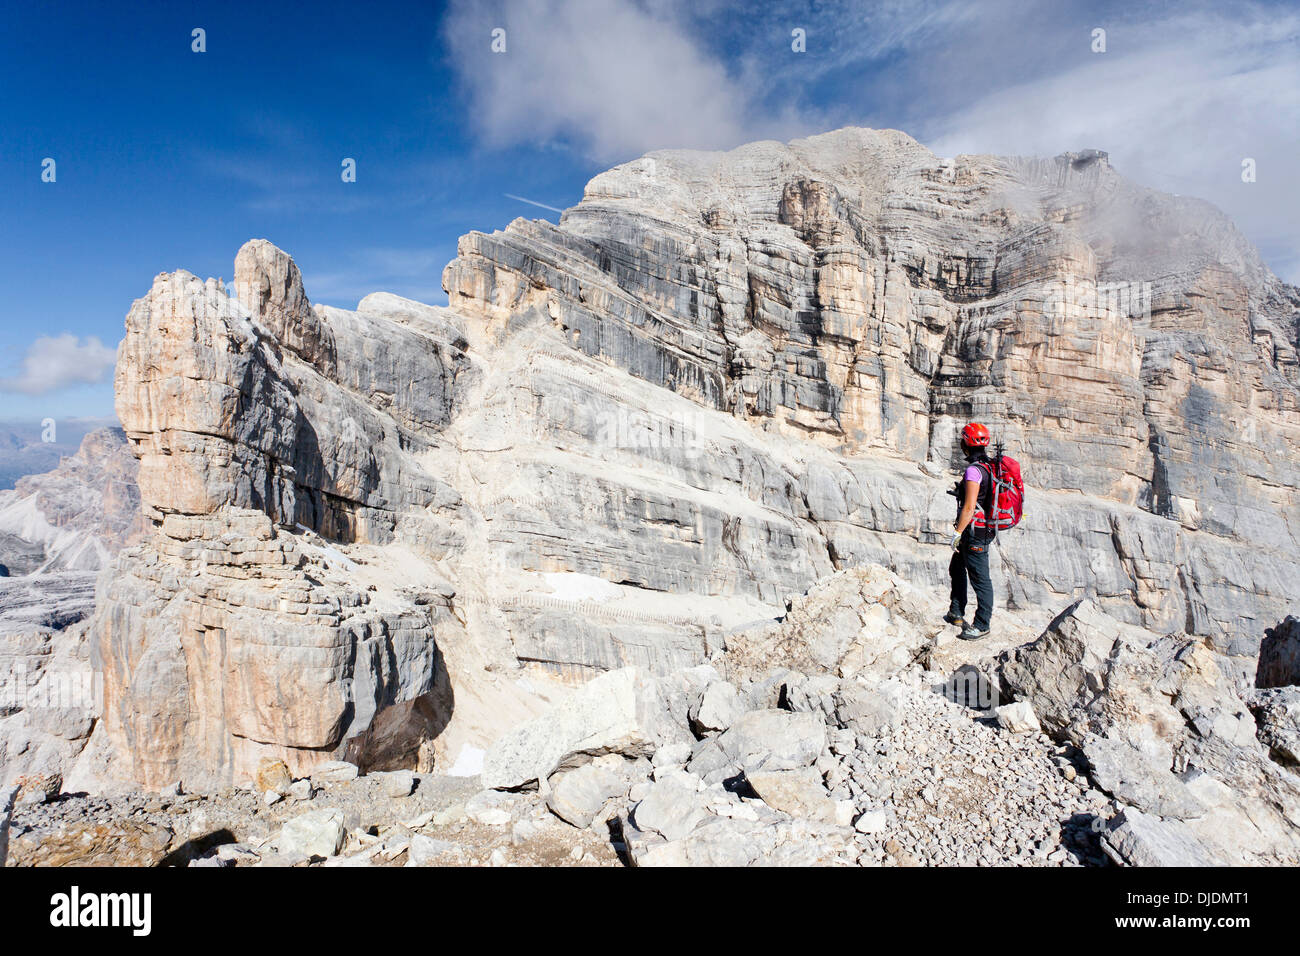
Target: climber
971 543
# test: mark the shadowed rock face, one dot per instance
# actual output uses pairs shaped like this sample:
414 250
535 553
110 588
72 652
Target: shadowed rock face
721 377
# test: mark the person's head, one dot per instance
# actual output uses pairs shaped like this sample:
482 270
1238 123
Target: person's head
974 441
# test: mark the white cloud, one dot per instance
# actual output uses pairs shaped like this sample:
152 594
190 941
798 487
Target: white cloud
1178 101
610 77
55 362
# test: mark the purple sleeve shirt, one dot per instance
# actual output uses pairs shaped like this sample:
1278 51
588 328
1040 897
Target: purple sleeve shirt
974 473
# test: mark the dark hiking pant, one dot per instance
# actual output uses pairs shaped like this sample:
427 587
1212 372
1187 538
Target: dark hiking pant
972 561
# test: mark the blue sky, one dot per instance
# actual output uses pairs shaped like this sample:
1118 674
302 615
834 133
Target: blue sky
167 158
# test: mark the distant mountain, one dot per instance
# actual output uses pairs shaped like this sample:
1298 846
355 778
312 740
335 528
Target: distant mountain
24 452
74 517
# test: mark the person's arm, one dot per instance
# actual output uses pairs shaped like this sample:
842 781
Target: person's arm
968 506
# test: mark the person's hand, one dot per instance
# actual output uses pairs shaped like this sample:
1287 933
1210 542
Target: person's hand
956 542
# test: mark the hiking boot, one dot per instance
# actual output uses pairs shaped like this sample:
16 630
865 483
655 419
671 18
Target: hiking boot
956 620
969 633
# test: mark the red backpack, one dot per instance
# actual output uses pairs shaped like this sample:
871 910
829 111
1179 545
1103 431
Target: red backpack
1008 493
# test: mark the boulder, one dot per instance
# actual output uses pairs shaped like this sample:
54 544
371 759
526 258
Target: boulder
1138 773
1134 838
868 708
1065 666
396 783
672 807
314 833
774 740
717 708
721 841
872 821
800 793
36 788
618 712
578 796
716 842
86 842
333 772
672 755
490 808
427 851
272 775
859 622
1018 718
1277 719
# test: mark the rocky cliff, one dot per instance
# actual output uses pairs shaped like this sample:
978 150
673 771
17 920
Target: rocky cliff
57 530
384 532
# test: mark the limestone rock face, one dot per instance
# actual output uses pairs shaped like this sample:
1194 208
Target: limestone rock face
721 378
265 646
56 531
856 291
259 401
262 423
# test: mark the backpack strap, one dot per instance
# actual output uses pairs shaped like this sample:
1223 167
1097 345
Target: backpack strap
991 507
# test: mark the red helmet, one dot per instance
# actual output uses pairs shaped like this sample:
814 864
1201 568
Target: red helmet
975 435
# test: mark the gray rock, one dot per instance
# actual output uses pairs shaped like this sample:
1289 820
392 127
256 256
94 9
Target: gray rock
1066 665
490 808
672 807
314 833
396 783
800 793
333 772
579 795
720 841
672 755
301 790
869 709
427 851
717 708
774 740
872 821
236 853
1134 838
618 712
1277 719
1141 776
709 757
